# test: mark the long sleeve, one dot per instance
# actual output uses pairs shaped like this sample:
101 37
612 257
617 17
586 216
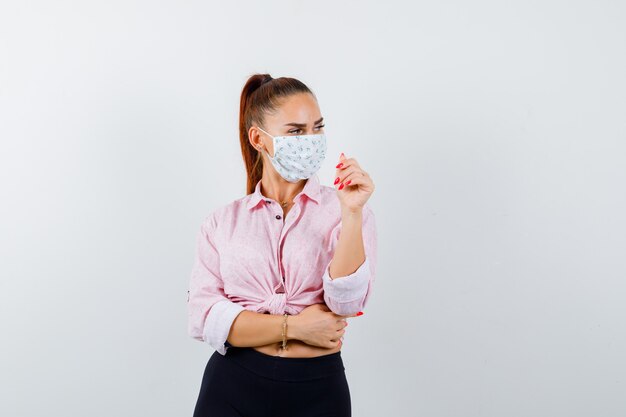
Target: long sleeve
349 294
210 311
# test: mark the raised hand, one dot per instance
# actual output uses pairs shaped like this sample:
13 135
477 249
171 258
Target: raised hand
354 185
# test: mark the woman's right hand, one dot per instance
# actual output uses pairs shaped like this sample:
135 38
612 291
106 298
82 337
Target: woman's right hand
316 325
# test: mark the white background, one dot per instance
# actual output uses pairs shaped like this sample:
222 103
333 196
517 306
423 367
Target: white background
495 134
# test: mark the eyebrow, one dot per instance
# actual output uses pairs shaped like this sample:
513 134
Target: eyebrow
303 124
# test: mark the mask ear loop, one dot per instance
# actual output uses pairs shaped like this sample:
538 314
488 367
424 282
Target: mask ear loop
268 154
265 132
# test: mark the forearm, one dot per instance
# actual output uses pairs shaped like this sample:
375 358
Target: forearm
350 252
257 329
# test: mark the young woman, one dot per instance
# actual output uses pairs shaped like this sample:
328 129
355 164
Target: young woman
278 272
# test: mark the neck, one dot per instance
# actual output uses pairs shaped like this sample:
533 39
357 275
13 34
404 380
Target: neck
277 188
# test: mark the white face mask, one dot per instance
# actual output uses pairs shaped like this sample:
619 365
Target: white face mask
297 157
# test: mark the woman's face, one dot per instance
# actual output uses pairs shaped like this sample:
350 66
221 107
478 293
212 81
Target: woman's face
299 114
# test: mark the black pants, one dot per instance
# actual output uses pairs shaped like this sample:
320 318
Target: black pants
248 383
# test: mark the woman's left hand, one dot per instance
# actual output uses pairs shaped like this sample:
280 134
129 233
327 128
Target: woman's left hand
354 186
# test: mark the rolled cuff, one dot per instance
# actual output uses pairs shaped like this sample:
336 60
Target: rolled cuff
350 287
218 323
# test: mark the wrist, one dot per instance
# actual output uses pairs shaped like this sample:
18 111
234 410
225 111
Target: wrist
293 327
348 214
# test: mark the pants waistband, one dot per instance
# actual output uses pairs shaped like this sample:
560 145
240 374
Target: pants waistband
285 368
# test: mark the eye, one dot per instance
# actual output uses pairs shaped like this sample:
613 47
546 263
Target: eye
294 131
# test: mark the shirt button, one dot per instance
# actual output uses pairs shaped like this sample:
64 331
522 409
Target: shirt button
278 216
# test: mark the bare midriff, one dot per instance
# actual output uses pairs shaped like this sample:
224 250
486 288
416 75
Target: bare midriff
296 349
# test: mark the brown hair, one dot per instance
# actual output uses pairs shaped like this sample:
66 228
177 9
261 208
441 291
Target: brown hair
261 95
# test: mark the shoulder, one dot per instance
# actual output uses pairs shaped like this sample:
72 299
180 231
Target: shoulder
226 213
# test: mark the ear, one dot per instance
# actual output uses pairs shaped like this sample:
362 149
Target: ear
254 137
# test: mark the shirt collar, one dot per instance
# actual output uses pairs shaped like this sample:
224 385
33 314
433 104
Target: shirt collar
312 189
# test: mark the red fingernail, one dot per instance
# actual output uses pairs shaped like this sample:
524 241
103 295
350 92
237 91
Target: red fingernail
342 154
349 181
360 313
336 181
341 186
339 165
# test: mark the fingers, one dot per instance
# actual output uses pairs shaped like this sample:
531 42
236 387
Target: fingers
341 324
354 177
349 172
334 342
342 174
336 339
359 313
351 176
346 163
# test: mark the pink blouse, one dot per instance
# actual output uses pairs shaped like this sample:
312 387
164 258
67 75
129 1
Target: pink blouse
248 257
